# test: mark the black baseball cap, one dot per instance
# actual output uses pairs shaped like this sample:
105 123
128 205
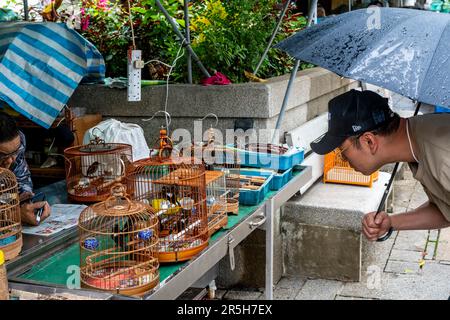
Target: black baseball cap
351 114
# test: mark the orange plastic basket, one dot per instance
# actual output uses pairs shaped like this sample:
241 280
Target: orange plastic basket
337 170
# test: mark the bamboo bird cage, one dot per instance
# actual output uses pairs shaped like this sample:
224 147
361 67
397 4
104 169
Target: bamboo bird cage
92 169
175 187
10 223
222 194
119 245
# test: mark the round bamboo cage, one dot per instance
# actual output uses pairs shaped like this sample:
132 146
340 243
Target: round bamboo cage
92 169
119 245
10 223
175 187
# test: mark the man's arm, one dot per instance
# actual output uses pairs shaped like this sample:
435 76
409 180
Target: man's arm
21 170
425 217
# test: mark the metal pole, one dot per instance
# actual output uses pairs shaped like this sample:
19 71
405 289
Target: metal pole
386 192
270 212
25 9
285 100
180 35
312 9
274 33
188 40
349 5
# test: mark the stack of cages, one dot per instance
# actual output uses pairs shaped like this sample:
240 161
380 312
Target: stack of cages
10 223
119 245
92 169
175 187
338 170
222 194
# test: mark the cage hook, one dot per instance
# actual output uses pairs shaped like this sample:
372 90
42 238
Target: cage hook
160 111
211 114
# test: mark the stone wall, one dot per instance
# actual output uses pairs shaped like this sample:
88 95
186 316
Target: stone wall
312 90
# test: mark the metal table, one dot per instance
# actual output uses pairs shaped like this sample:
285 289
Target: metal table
37 248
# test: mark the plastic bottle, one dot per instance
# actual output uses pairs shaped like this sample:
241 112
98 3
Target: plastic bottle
4 292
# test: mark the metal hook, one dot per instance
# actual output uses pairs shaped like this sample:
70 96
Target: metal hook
211 114
93 130
165 112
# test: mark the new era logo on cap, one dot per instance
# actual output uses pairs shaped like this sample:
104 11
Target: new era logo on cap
356 128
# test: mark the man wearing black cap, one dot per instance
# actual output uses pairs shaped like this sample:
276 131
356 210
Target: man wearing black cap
369 135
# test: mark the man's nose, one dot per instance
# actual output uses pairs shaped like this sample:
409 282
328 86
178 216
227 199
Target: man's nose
9 161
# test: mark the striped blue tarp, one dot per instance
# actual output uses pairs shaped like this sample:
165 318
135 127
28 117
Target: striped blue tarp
41 64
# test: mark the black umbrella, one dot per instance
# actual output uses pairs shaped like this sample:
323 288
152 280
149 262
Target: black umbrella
403 50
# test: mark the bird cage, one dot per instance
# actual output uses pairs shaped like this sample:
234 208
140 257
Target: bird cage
10 224
338 170
226 160
175 187
216 193
119 245
92 169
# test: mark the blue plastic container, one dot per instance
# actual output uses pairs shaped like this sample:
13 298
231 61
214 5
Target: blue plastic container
441 109
270 161
253 197
280 179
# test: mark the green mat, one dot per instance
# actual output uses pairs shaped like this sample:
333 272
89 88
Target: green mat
58 268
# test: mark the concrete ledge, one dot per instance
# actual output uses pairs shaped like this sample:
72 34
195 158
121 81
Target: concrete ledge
311 91
321 230
322 252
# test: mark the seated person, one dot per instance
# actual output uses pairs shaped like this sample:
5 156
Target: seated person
12 157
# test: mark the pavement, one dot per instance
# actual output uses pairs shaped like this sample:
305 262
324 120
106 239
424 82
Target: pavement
411 265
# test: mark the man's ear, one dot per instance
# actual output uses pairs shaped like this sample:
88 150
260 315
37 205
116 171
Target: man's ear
371 141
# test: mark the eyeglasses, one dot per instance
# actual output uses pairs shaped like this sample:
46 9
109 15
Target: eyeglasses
342 150
4 156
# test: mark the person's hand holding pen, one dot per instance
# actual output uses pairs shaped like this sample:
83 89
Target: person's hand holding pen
28 208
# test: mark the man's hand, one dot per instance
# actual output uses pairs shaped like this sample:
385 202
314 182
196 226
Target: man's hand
376 228
27 214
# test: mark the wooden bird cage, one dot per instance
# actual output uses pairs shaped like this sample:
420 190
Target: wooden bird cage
91 170
217 157
222 196
175 187
10 223
119 245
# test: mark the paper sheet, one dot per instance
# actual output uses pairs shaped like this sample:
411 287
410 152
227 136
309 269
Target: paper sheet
63 216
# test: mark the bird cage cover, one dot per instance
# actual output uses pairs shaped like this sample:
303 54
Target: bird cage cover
118 245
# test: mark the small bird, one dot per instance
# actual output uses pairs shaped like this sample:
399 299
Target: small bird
92 168
118 236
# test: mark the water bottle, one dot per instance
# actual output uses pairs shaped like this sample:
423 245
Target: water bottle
4 292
